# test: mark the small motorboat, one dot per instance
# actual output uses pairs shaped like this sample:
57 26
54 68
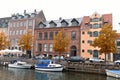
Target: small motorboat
113 73
48 65
19 64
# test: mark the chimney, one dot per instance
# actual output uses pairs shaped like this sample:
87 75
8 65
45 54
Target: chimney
35 11
60 18
24 11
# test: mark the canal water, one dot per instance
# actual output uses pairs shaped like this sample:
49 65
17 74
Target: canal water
28 74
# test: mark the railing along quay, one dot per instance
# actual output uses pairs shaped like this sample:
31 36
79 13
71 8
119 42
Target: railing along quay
98 68
90 67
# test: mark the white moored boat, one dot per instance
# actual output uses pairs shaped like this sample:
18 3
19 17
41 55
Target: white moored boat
20 64
113 73
47 65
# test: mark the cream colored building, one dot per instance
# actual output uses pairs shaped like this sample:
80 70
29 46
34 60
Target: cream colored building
90 29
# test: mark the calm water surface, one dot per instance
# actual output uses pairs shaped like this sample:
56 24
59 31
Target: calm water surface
28 74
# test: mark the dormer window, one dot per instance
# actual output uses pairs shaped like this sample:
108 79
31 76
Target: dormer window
33 15
14 17
20 16
64 23
52 24
27 16
74 22
41 25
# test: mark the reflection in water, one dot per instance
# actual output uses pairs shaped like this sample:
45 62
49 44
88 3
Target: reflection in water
112 78
67 76
28 74
15 74
40 75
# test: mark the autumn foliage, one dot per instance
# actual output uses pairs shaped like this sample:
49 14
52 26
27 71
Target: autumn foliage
106 40
4 41
25 41
61 41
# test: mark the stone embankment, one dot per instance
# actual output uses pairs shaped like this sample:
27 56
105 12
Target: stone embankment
70 66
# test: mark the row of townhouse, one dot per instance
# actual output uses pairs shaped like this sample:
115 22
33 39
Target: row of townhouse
81 32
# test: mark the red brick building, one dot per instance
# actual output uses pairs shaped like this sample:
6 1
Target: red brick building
45 32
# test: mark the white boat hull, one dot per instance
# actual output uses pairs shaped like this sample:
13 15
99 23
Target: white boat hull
113 73
22 65
54 69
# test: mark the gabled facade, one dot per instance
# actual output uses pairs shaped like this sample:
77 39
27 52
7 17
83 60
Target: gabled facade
90 29
20 23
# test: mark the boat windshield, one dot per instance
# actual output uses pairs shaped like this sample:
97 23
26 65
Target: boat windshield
43 63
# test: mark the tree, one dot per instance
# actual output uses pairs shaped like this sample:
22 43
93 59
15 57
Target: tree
4 41
25 42
61 42
106 40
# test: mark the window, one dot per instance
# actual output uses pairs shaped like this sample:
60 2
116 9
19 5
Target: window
24 23
83 32
90 51
73 35
51 48
95 25
118 43
95 20
41 25
95 34
52 24
90 42
40 36
17 24
63 23
90 33
21 24
74 23
118 50
39 47
30 23
51 36
20 32
83 41
83 50
45 47
45 35
17 32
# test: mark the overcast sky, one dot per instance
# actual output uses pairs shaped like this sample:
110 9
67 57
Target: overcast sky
53 9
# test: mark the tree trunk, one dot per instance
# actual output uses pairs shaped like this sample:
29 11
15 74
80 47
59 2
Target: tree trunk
28 53
105 57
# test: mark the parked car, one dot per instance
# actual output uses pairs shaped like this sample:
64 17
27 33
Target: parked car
74 59
117 62
58 58
95 59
